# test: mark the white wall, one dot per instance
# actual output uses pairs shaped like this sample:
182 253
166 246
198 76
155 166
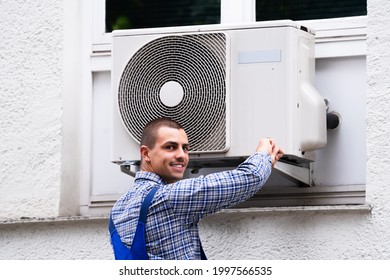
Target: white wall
63 240
31 87
30 118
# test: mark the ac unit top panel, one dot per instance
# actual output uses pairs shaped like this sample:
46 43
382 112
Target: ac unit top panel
212 28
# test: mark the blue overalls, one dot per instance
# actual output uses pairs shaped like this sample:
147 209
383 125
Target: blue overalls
138 246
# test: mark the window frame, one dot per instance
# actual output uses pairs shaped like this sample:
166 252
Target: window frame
336 37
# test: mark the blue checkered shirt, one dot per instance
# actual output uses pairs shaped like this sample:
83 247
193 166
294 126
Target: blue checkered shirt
176 209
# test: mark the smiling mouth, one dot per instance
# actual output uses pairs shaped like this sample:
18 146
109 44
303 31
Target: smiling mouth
178 165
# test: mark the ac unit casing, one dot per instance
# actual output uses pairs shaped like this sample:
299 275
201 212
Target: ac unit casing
267 88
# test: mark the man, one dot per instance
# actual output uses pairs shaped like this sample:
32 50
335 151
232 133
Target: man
178 205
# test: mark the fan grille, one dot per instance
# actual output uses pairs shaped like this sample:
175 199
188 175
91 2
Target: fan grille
198 63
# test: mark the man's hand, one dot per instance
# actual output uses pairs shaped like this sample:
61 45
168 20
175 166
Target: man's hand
269 145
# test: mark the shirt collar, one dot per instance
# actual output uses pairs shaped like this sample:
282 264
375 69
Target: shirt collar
149 176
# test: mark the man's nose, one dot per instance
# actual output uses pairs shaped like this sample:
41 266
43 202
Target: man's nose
180 153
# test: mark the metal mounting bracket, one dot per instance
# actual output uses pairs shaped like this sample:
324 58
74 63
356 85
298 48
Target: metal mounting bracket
299 174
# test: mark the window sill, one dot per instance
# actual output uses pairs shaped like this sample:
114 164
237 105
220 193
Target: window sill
365 208
47 220
255 210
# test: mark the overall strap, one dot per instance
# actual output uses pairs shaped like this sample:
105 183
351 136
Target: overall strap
202 253
144 209
138 247
146 204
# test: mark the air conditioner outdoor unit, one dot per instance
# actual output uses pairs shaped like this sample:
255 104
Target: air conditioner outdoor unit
228 86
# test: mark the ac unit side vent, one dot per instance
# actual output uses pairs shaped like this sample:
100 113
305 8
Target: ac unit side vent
182 77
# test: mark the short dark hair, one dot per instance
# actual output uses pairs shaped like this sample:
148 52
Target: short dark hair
149 133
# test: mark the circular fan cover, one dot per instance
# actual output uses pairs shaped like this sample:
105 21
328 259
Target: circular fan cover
182 77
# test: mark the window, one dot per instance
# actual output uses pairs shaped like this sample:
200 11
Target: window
340 77
308 9
156 13
133 14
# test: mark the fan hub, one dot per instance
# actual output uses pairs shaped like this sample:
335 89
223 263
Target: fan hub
171 94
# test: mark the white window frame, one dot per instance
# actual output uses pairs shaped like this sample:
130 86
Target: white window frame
334 37
339 37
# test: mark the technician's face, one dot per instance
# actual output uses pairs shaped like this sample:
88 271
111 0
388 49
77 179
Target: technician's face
169 156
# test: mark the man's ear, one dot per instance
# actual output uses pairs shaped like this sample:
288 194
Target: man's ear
144 151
